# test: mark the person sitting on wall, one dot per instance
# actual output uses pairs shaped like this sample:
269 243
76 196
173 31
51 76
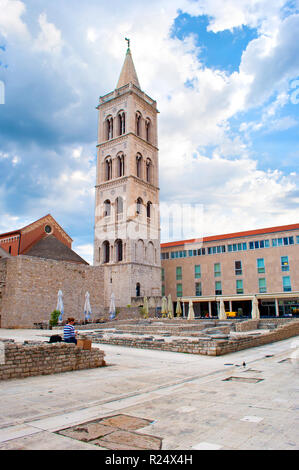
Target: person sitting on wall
69 333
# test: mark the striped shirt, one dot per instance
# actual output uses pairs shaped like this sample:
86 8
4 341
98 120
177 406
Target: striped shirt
68 332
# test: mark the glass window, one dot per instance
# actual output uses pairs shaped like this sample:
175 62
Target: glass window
256 245
286 282
214 249
198 291
223 248
267 243
203 251
238 267
190 252
285 263
163 290
274 242
251 245
239 286
239 246
230 248
163 274
209 250
234 247
197 271
262 285
279 241
179 290
178 273
217 269
260 265
172 254
244 246
297 239
291 240
262 244
218 288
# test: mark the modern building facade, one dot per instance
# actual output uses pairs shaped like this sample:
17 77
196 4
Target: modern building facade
235 267
127 220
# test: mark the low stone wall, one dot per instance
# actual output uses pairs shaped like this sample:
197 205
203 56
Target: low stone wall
207 346
26 360
247 325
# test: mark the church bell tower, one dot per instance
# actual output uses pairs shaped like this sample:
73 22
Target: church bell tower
127 219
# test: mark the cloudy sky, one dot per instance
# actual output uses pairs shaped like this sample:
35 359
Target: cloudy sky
225 74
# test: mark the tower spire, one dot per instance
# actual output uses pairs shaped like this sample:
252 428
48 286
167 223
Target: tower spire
128 73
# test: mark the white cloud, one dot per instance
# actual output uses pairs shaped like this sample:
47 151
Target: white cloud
11 24
49 38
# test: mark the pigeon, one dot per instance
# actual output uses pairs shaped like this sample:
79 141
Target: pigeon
244 364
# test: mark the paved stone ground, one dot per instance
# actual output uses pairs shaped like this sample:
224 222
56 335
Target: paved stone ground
185 398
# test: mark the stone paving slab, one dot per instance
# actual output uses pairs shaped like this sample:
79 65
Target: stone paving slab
132 440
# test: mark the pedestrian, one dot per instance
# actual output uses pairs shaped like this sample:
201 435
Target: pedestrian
69 333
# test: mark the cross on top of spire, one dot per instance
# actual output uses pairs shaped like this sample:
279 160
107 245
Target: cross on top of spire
128 73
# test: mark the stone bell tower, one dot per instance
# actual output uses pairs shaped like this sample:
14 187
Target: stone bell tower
127 219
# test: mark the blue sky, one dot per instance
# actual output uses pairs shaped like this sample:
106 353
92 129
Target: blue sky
226 79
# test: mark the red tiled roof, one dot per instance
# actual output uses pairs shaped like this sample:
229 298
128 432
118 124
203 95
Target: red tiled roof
262 231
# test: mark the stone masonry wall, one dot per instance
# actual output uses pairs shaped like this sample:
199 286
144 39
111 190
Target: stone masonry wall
208 347
44 359
32 284
247 325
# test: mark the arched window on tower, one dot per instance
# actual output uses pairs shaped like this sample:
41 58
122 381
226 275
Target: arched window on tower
119 250
138 123
107 208
120 165
106 252
139 165
148 210
149 170
108 169
138 289
109 127
139 205
121 122
148 129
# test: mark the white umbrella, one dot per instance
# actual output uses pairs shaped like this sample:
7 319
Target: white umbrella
191 311
60 305
164 307
112 307
255 313
170 307
145 307
87 308
222 314
178 309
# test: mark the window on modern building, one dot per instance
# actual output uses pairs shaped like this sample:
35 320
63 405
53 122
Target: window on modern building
239 286
179 290
217 269
291 240
178 273
218 288
262 285
163 274
286 283
197 271
285 263
251 245
260 265
107 208
198 291
297 239
238 268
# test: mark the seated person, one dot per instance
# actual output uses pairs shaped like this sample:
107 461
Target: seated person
69 333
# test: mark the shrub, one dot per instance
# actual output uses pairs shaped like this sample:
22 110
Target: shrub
54 317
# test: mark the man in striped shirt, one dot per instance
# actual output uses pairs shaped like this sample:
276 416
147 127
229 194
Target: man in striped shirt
69 333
